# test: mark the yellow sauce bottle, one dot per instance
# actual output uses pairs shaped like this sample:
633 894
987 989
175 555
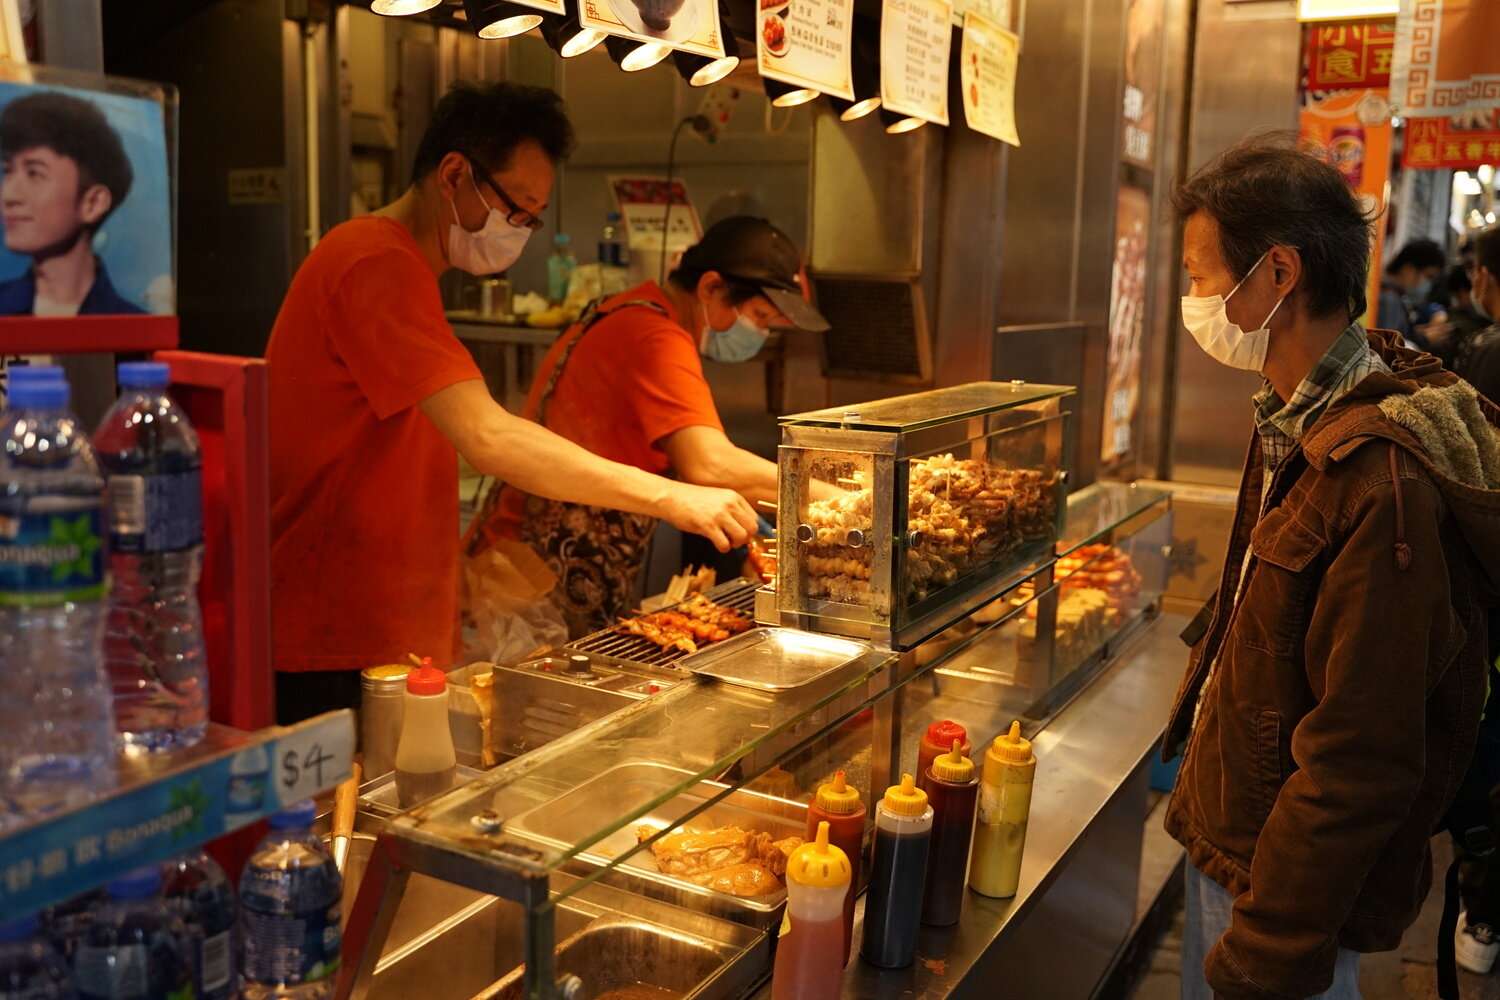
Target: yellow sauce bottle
1004 805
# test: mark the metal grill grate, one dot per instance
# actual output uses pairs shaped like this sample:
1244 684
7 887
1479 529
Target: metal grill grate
628 649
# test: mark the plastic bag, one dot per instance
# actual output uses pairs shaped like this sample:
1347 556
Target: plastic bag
507 616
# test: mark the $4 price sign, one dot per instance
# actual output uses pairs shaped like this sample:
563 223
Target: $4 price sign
314 758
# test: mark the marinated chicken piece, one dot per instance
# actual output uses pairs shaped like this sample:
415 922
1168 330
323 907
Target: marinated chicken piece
774 854
744 880
664 636
692 852
702 609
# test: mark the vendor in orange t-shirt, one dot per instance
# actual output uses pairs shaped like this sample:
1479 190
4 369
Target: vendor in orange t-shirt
626 382
373 398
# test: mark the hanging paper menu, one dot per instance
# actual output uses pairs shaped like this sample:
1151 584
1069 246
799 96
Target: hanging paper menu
806 43
915 36
689 25
990 55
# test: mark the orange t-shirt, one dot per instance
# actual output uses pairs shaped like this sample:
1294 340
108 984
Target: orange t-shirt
364 489
634 379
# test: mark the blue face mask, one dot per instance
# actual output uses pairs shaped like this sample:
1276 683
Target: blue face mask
1423 289
741 342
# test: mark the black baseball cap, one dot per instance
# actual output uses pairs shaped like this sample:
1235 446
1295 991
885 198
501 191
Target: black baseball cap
754 252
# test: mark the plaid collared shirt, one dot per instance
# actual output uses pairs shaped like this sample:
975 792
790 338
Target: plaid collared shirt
1280 424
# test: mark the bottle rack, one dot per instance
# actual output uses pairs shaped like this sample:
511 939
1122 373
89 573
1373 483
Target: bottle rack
166 804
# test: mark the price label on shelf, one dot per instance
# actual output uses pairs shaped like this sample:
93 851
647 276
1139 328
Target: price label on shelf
313 758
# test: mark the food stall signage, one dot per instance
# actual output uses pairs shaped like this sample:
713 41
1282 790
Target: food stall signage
1350 56
989 57
805 43
1460 143
643 207
689 25
915 38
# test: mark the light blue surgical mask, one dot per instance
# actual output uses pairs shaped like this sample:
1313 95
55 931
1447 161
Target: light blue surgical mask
740 342
1423 289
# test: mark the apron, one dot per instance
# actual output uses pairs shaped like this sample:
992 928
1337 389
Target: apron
596 552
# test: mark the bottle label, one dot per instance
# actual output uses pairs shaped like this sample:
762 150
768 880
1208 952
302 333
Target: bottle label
117 973
51 556
216 965
156 513
291 924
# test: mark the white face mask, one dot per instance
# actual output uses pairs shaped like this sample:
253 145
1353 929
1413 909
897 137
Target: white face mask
1207 319
494 247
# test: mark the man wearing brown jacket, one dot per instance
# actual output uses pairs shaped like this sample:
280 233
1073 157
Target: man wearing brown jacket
1333 693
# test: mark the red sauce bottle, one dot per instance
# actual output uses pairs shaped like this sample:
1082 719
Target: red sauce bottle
953 788
838 805
939 740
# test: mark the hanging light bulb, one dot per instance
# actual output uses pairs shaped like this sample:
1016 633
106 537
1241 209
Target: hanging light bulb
701 71
400 8
897 124
788 95
500 18
632 56
567 37
864 61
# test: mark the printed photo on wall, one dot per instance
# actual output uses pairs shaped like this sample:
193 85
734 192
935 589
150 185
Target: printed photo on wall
85 203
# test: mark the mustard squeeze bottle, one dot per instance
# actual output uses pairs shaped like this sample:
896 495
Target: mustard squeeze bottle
1004 807
810 954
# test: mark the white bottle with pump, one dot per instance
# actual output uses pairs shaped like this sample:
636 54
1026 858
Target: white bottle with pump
425 761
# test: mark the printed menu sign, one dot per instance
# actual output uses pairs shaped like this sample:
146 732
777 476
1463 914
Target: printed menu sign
689 25
643 207
989 57
915 36
997 11
805 43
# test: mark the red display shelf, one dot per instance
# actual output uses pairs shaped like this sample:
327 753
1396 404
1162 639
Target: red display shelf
86 334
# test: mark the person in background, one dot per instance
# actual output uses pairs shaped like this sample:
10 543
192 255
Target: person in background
1480 364
1408 280
1451 333
66 171
373 398
1323 742
627 382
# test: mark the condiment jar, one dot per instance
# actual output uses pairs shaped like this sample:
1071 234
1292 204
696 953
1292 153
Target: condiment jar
1004 807
425 761
382 691
809 962
838 806
893 903
953 787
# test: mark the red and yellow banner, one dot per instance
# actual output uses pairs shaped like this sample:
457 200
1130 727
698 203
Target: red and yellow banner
1350 55
1447 142
1447 60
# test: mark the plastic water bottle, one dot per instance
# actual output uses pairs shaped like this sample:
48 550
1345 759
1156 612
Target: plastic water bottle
153 645
611 249
289 912
203 897
30 968
57 732
137 948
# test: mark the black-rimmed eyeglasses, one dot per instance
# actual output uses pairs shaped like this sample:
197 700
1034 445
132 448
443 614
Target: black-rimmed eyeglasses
515 214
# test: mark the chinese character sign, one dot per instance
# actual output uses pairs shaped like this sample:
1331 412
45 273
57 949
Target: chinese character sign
987 71
643 205
1458 143
1350 55
1447 58
1143 38
915 37
806 43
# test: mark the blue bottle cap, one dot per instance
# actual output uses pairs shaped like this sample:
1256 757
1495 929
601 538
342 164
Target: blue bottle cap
561 239
39 394
295 816
19 929
144 374
138 883
34 373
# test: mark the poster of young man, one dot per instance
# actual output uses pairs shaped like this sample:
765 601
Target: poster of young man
85 203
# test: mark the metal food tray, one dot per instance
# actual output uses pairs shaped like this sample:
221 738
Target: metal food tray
774 659
611 646
622 790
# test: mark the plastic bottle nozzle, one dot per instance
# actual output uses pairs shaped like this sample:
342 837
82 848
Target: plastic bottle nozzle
819 863
905 799
1012 747
822 838
954 766
836 797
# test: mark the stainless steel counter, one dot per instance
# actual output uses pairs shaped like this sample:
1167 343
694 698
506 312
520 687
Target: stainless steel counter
1077 896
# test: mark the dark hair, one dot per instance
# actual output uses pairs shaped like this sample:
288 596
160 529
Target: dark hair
740 292
488 122
1420 254
1458 280
71 127
1487 250
1267 192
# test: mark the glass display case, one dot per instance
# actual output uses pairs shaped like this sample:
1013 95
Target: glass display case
901 516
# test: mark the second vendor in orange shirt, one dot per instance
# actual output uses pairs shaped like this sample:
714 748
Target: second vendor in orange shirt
626 382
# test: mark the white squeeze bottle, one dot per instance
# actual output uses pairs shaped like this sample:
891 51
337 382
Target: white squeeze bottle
425 761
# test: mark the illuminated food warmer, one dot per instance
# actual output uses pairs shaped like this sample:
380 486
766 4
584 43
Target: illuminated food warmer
901 516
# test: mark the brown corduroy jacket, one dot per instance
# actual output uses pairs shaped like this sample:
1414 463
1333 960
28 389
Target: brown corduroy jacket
1345 705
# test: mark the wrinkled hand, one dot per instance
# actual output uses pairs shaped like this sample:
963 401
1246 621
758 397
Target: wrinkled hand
722 516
